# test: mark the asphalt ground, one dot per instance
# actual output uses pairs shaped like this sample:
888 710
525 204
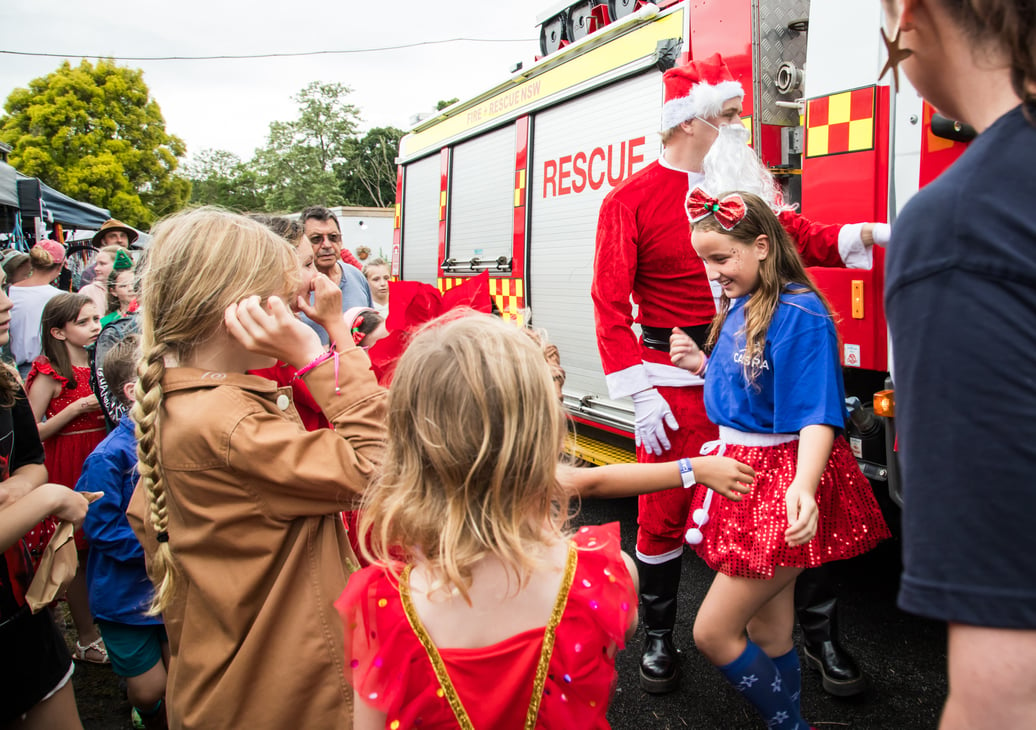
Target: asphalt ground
903 656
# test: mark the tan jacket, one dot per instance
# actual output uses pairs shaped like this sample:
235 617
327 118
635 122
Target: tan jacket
253 504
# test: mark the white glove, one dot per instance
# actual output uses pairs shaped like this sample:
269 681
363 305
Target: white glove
882 233
652 416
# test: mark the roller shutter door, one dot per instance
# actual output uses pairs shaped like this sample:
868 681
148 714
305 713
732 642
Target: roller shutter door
570 171
420 247
482 197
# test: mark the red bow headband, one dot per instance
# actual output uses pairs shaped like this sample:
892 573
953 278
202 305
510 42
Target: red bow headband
729 211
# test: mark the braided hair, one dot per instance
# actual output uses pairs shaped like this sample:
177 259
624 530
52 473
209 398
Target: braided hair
200 262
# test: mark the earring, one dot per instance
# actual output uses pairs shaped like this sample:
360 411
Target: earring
895 57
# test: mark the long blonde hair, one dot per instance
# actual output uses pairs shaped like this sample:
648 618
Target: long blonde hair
781 272
475 435
200 261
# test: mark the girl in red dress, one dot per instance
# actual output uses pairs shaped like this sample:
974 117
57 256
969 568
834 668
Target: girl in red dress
71 425
482 610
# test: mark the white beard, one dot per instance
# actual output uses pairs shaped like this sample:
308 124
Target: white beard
732 165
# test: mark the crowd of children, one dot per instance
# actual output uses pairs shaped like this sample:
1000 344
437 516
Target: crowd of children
254 439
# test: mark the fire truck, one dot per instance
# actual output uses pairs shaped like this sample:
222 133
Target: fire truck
511 180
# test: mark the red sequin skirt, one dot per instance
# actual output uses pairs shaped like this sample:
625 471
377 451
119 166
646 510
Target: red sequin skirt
746 538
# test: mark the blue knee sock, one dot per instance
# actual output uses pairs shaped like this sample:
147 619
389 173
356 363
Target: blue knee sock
791 674
756 676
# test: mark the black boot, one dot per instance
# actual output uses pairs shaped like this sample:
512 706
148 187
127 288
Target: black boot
817 607
659 662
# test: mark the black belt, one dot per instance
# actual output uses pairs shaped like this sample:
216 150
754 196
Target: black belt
657 338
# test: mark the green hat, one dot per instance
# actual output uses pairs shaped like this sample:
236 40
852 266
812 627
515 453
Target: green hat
122 261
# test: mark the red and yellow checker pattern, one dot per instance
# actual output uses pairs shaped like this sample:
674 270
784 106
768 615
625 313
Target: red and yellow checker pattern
840 123
509 295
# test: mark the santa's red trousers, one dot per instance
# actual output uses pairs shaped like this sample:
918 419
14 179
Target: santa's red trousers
662 516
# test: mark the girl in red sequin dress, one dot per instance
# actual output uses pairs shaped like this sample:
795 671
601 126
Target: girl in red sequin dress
59 392
773 385
481 610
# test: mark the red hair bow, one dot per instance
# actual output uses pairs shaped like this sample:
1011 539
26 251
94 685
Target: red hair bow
729 211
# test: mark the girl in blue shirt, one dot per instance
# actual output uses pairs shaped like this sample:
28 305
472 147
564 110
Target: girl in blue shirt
774 387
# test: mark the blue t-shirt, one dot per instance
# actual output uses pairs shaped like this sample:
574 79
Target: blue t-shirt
799 381
961 302
120 591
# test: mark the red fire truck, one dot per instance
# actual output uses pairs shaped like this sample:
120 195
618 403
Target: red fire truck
511 180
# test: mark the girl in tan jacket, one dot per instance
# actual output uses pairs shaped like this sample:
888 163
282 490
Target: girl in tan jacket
238 505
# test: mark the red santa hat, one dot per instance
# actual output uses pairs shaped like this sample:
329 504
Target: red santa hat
697 89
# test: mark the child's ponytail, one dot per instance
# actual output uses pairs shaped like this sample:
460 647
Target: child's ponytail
145 416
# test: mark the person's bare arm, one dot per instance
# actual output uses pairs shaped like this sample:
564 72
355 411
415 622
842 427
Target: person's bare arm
719 473
366 717
815 444
44 389
22 481
19 516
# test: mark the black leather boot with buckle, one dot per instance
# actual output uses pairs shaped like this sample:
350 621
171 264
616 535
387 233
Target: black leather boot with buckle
817 608
660 661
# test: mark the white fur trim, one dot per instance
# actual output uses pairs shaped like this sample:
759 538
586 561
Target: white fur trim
659 559
648 375
627 382
742 438
670 376
704 100
676 111
850 247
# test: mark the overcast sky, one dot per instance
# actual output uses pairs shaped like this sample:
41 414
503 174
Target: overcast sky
229 104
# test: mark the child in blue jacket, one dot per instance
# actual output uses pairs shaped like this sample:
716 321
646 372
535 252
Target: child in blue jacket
120 591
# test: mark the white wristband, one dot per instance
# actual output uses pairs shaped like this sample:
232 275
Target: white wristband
686 473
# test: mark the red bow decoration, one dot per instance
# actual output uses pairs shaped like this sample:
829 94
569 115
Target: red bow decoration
411 304
729 211
355 330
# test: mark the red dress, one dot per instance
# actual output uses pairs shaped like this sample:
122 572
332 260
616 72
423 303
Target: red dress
389 665
66 452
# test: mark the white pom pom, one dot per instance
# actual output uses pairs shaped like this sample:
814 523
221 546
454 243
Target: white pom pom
693 536
700 517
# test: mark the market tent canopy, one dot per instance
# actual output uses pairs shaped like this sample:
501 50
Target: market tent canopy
8 185
56 207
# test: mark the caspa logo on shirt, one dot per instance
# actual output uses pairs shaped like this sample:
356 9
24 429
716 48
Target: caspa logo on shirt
758 363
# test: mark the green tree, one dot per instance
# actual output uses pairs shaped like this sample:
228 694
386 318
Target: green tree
369 178
302 160
443 103
219 177
94 133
